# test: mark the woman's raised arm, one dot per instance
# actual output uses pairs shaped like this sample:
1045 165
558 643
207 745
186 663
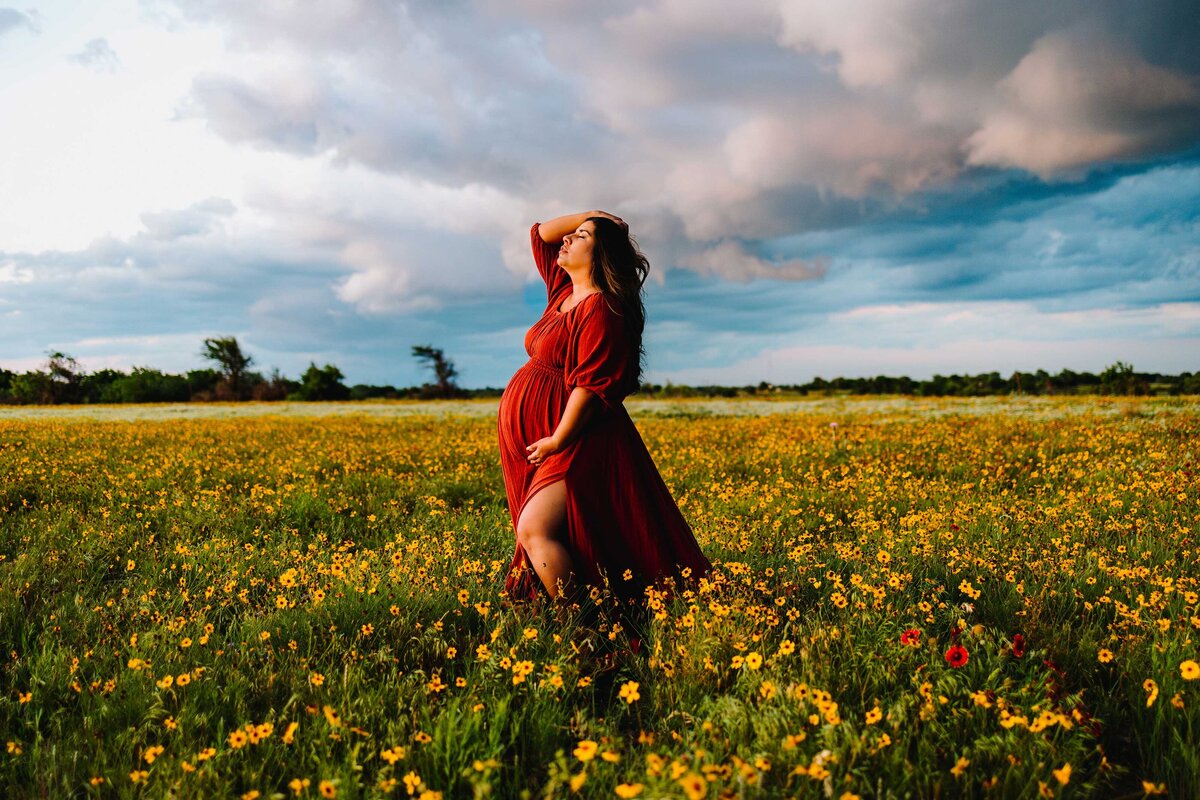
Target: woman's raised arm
553 231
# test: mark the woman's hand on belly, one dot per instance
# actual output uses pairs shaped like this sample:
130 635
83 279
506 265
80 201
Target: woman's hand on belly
582 405
539 450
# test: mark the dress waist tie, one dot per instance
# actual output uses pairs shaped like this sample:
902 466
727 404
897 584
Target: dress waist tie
534 361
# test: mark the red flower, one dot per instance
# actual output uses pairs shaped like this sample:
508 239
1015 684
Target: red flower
956 656
911 637
1018 645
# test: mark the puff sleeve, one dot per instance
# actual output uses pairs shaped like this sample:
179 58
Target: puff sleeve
545 256
598 357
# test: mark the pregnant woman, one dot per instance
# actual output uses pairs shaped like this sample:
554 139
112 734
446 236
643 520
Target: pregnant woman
586 499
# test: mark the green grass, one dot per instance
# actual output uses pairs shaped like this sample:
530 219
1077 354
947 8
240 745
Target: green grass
339 568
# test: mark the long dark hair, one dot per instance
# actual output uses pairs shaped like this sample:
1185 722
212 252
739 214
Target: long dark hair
619 270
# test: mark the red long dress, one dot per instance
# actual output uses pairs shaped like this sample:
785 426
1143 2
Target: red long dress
620 513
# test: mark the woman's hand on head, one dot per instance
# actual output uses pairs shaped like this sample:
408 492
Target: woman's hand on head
538 451
624 225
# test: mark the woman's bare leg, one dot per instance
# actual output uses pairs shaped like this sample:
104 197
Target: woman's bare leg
540 531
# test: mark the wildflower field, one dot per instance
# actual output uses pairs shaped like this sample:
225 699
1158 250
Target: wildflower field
911 598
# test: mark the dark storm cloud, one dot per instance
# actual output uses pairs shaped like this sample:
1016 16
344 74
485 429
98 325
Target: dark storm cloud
687 111
1133 244
427 90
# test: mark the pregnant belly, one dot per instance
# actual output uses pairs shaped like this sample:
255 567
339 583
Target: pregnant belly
532 403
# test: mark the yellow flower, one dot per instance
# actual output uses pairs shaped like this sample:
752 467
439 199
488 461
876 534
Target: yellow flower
786 648
298 785
1151 691
1063 775
960 767
290 734
327 789
183 679
629 789
577 781
586 750
1104 656
393 754
1190 670
332 716
754 661
874 715
693 786
629 692
237 739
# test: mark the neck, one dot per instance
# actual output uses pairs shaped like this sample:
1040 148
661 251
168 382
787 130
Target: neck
582 284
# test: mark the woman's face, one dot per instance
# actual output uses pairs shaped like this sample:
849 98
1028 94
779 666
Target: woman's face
575 255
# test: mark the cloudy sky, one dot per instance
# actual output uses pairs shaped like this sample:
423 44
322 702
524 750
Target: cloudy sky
823 187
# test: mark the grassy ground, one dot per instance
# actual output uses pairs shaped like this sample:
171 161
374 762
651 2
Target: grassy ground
304 600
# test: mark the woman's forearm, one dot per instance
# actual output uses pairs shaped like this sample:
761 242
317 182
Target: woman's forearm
581 406
554 230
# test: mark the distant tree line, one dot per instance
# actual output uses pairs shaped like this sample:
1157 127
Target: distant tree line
1118 379
63 380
